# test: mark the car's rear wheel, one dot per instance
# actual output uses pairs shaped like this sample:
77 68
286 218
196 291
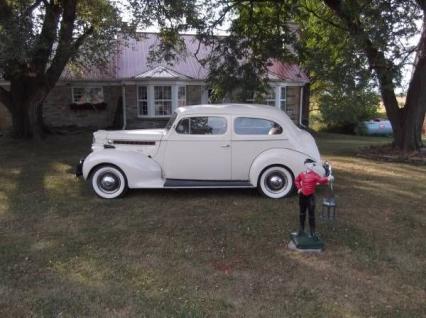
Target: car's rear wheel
276 182
108 182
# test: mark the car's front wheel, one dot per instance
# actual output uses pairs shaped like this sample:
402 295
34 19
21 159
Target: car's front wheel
108 182
276 182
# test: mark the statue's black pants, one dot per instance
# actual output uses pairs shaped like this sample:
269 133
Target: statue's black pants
307 203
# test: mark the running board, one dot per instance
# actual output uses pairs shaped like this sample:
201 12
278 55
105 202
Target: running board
179 183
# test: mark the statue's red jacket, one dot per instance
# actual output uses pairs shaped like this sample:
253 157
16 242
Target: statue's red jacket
308 180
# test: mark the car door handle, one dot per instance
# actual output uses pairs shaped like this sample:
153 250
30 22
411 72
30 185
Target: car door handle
225 146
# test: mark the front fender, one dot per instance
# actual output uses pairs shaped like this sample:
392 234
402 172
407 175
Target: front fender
140 170
291 159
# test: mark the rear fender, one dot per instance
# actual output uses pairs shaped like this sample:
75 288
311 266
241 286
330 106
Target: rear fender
292 160
140 170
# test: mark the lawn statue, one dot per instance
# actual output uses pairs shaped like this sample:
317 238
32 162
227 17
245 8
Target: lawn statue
306 183
328 211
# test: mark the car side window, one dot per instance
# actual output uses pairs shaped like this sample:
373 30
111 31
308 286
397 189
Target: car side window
256 126
183 126
211 125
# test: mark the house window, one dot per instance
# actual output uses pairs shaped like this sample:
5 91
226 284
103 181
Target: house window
268 99
91 95
283 99
163 100
142 101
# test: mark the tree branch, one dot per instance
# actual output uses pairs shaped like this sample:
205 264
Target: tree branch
376 58
32 7
407 55
322 18
46 38
219 20
64 49
80 40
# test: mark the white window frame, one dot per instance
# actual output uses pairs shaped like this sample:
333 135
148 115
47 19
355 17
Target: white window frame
175 95
86 87
138 99
163 100
267 100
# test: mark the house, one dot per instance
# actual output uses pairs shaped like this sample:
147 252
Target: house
132 93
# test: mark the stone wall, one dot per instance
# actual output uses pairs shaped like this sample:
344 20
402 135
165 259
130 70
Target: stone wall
132 107
58 113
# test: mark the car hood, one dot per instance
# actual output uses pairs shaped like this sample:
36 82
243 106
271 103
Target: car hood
136 135
146 141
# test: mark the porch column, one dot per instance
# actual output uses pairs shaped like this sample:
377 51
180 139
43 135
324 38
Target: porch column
123 94
301 106
174 97
204 95
151 100
277 90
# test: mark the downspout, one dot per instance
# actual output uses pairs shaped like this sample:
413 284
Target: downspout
123 94
301 108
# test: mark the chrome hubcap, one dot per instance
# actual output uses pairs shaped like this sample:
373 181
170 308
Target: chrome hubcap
275 181
108 182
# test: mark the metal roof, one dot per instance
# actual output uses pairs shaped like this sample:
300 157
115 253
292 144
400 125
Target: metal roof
131 61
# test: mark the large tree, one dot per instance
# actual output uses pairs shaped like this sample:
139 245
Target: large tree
380 29
374 48
341 86
39 38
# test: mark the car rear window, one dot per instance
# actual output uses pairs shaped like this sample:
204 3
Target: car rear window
211 125
256 126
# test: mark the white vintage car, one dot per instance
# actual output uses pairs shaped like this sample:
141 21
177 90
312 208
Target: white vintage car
203 146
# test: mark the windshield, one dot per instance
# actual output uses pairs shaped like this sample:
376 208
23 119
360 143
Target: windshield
171 121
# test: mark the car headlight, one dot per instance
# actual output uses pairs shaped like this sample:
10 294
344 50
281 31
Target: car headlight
327 167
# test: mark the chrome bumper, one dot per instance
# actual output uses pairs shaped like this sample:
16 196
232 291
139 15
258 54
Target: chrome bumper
79 168
327 167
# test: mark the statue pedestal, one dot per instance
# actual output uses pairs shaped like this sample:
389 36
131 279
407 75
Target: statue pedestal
305 243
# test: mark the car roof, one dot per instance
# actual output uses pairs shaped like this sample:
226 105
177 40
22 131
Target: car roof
234 109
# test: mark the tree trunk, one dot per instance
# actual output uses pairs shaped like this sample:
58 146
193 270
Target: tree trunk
415 105
21 126
26 98
407 137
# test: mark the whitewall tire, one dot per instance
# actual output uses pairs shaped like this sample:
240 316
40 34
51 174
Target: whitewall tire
108 182
276 182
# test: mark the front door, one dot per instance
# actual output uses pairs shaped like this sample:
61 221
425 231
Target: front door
199 148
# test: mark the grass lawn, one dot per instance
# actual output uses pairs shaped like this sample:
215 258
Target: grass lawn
195 253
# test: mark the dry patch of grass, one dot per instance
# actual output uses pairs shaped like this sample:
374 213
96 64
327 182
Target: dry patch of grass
197 253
